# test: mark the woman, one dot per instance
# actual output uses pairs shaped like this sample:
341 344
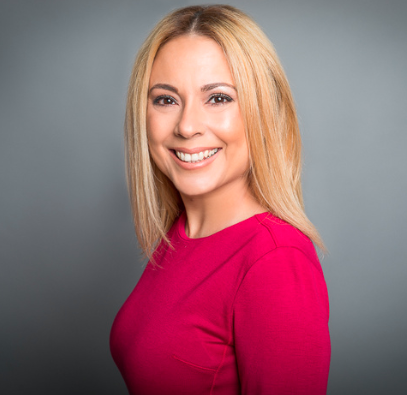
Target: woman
233 300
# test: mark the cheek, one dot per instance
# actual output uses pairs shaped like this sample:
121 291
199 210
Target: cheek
156 134
231 130
153 129
154 139
160 126
238 138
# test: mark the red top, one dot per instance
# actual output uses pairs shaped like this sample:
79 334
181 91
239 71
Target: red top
243 311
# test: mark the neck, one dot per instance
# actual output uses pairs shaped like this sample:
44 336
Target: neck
210 213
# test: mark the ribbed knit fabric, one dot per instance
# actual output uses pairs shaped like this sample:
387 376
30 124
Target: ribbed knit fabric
243 311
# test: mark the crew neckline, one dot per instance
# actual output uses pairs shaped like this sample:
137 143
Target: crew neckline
182 221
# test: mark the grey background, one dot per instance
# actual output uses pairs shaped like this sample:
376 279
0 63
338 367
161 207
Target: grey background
68 253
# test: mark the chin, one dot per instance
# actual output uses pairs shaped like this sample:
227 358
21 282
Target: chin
194 190
188 192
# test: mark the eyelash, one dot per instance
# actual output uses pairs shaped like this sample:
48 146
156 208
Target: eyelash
157 100
226 98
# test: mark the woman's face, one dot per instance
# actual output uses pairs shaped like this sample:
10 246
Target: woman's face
195 129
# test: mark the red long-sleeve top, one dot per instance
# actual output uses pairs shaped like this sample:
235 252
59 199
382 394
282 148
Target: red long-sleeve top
243 311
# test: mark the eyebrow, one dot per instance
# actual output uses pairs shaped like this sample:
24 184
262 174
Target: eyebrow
205 88
167 87
215 85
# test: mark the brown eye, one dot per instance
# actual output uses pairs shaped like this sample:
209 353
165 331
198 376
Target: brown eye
219 98
164 101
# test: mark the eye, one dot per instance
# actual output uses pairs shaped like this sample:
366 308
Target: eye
219 98
164 100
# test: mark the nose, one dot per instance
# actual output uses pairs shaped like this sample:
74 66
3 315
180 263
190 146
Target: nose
191 122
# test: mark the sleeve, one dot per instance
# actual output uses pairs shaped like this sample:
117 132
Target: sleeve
281 333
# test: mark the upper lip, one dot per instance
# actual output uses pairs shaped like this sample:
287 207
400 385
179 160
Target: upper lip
193 150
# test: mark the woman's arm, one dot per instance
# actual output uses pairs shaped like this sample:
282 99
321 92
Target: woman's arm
281 313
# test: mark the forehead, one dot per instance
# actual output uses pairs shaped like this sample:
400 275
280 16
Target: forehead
190 58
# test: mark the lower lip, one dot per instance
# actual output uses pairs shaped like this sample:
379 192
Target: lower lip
195 165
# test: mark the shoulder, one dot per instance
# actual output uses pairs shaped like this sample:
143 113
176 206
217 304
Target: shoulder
281 237
289 269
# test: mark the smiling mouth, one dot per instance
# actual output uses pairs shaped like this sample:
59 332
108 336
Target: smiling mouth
196 157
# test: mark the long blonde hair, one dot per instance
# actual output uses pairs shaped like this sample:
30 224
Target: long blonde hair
267 108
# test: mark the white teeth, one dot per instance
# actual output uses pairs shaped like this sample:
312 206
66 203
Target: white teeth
197 157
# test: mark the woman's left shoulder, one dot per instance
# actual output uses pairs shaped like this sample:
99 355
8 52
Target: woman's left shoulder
288 268
282 236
